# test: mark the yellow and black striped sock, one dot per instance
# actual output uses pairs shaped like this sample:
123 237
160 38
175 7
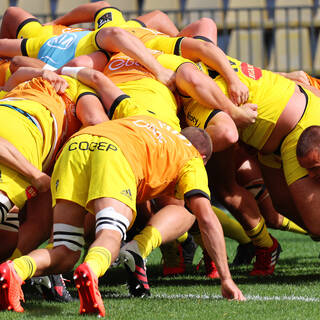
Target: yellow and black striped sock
16 254
260 236
288 225
25 267
183 238
99 260
148 239
231 227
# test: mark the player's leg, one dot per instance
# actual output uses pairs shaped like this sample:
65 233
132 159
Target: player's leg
280 194
166 225
204 27
159 21
12 19
305 193
249 175
241 203
68 241
112 221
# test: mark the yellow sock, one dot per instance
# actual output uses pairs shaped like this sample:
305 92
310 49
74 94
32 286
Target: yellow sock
16 254
25 267
99 260
260 236
148 239
288 225
231 227
183 238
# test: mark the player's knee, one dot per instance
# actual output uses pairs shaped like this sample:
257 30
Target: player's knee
208 23
11 12
113 32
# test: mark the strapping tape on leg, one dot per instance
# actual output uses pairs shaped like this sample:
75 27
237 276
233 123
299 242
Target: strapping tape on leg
109 218
11 224
257 188
67 235
5 207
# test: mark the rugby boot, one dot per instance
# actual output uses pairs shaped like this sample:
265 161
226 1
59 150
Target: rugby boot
52 288
136 269
189 248
173 261
87 284
10 288
210 267
266 259
244 255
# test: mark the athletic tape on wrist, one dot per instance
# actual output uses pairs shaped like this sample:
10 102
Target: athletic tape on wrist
71 71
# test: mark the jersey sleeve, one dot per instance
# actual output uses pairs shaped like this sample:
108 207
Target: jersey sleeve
77 89
192 180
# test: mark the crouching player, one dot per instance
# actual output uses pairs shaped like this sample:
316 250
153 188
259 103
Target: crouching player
106 169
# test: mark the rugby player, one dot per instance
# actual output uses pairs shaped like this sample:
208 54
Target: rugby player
144 174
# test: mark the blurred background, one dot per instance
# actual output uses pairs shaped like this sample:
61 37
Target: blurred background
279 35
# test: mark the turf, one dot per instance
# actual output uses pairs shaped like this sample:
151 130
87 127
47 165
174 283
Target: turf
291 293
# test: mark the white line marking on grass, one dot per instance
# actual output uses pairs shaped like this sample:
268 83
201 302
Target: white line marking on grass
249 297
219 297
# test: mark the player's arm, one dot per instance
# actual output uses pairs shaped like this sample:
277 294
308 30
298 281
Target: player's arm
297 76
95 79
80 14
22 61
192 82
213 239
304 79
90 111
210 54
115 39
11 157
27 73
222 130
10 47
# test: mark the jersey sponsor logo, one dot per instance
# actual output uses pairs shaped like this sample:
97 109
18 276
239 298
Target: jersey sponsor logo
92 146
158 133
104 19
31 192
126 193
58 50
117 64
193 119
62 42
251 71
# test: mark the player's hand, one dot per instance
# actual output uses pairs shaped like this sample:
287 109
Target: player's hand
59 83
230 290
245 115
238 92
41 182
167 77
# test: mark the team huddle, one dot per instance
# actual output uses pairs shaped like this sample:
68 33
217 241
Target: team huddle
116 139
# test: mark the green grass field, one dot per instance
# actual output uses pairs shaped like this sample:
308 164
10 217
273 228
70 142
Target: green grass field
291 293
